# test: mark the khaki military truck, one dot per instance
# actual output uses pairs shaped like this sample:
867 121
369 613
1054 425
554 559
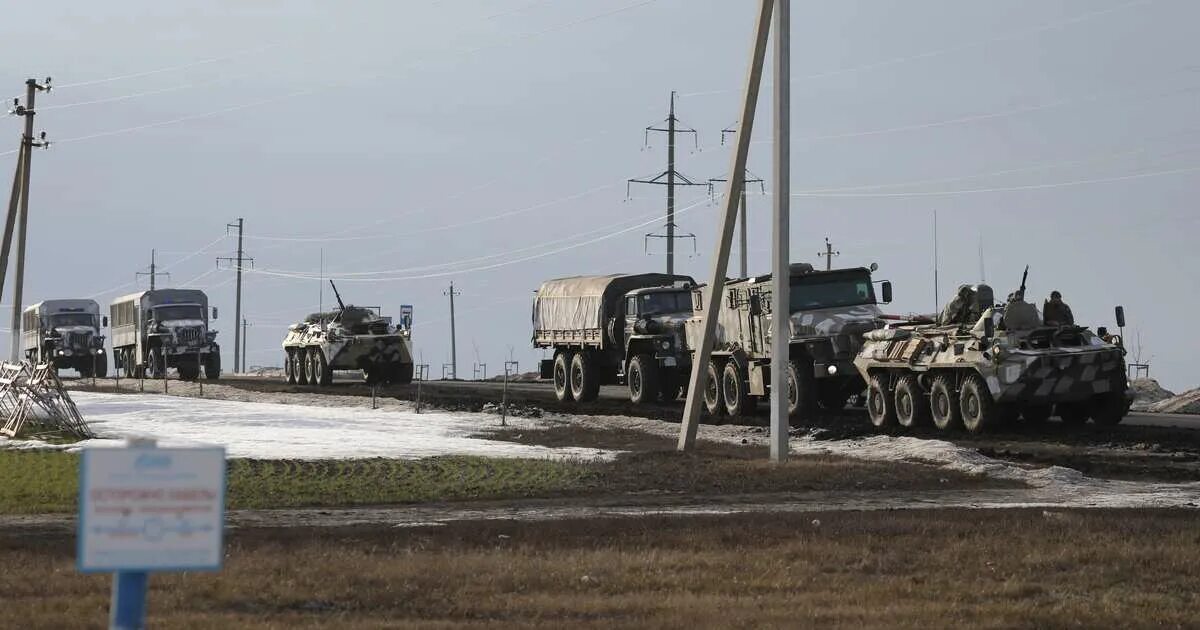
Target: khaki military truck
66 334
164 328
981 364
828 315
349 338
614 329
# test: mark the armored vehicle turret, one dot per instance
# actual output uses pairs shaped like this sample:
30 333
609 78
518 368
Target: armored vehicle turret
349 338
980 364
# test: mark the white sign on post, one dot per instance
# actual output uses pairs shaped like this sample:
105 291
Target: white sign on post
151 509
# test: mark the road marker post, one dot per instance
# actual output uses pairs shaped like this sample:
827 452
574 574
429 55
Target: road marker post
144 509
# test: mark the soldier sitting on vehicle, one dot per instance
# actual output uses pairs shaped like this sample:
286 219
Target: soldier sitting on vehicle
1056 312
967 306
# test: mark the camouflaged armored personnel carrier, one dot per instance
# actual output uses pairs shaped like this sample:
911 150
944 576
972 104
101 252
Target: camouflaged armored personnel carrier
981 364
349 338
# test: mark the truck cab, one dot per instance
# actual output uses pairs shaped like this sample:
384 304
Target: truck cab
66 334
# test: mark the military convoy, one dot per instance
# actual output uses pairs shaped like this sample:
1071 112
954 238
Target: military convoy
981 364
66 334
349 338
611 329
164 328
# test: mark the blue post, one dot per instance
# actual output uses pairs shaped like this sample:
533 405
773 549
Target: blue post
128 610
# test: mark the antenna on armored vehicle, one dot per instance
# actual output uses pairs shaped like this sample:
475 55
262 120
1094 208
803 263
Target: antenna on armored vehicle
669 178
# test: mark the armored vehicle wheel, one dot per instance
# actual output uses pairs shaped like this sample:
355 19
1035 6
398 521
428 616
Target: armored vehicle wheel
979 411
1108 409
585 382
1036 414
714 398
881 406
301 359
212 366
323 373
642 376
1074 414
943 404
912 409
734 388
289 367
562 375
127 363
314 367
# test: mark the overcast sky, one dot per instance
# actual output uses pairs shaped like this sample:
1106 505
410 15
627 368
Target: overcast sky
487 142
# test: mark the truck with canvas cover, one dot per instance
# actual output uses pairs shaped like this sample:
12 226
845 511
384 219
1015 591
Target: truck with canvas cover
829 312
65 334
614 329
349 338
982 364
164 328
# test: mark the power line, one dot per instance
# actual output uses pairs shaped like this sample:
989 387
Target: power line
154 273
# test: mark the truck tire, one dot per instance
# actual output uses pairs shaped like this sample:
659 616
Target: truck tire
881 405
802 390
714 398
188 371
979 411
734 388
1037 414
562 375
289 367
585 382
642 376
943 404
1108 409
154 364
912 409
212 366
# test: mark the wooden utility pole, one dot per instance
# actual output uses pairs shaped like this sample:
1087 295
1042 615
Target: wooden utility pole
32 87
733 191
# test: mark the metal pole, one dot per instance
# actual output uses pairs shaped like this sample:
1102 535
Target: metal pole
199 379
671 188
237 305
737 176
453 340
31 88
743 246
504 400
781 333
936 301
128 607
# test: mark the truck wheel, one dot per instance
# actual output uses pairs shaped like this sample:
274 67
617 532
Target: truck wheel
1037 414
154 364
802 390
562 375
734 389
585 383
289 368
642 375
212 366
1108 409
1074 414
912 410
978 409
881 406
714 399
943 404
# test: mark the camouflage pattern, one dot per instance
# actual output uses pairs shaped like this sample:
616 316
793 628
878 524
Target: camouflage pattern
349 339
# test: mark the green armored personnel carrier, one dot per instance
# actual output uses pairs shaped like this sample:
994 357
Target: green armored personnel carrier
981 364
349 338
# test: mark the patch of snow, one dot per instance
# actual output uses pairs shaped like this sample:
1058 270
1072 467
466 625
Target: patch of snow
1187 402
283 431
1147 392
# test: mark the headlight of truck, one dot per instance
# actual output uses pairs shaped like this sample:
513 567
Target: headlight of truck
665 345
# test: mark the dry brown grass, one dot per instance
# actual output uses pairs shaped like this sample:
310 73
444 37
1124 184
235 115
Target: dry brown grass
932 569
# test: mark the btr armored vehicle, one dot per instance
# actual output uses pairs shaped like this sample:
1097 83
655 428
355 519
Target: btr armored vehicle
66 334
981 364
349 338
614 329
164 328
829 313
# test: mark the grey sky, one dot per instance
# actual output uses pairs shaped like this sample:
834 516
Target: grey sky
393 120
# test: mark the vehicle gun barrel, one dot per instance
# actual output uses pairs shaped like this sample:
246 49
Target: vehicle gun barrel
341 305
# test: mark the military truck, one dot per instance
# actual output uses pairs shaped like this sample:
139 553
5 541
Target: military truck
980 364
164 328
349 338
829 312
623 328
66 334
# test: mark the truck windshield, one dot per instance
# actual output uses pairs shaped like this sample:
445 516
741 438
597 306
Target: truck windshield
178 311
664 303
816 292
72 319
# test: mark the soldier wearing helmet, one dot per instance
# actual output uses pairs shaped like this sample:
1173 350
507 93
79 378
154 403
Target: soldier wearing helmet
1056 312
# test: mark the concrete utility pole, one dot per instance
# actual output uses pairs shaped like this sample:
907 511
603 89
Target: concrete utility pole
240 260
828 254
670 178
743 242
453 342
781 329
154 272
245 343
32 87
737 172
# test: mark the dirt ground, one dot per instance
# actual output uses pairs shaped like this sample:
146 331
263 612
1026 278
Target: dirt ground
915 569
